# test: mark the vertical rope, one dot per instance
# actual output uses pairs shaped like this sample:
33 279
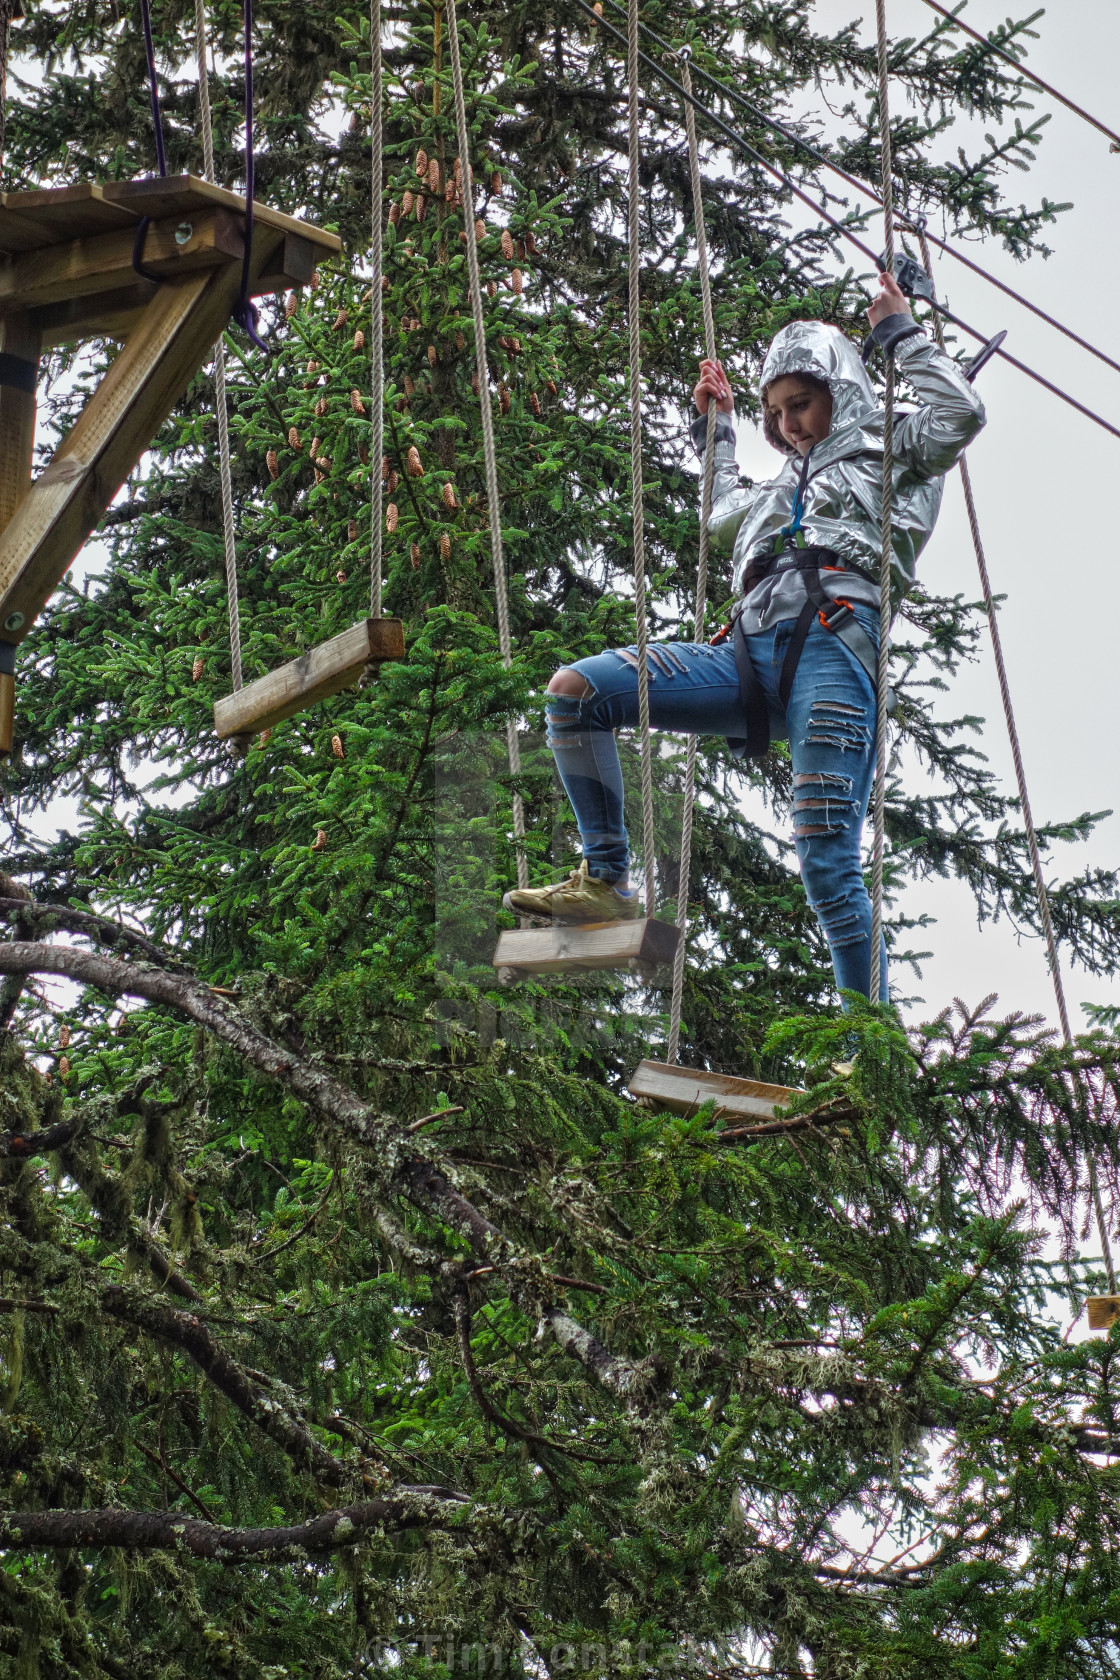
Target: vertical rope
153 84
7 7
1041 894
225 478
377 349
886 513
489 455
702 559
637 512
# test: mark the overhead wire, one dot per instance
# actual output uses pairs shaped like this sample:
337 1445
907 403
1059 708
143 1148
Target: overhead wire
1042 894
1030 75
377 268
912 223
838 227
489 452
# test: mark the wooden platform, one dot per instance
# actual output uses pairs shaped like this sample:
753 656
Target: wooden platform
646 944
66 274
683 1090
1103 1311
323 671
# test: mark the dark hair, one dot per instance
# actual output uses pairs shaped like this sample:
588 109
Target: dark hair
769 425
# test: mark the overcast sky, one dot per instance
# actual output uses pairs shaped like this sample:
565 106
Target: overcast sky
1047 484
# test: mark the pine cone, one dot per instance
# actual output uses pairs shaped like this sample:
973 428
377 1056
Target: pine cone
445 547
448 494
409 385
352 530
293 439
414 556
313 366
272 464
359 340
324 464
320 840
415 470
63 1036
314 281
474 383
597 8
496 182
394 214
519 247
460 341
507 245
480 229
385 284
517 282
503 399
337 748
421 162
356 402
321 408
531 243
433 175
291 304
515 347
363 454
535 404
491 289
63 1066
421 207
386 468
315 442
339 320
393 481
550 387
264 737
407 201
391 518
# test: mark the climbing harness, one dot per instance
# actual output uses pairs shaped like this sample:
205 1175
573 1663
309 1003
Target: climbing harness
489 453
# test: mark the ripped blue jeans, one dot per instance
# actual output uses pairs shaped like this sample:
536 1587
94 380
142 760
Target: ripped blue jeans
693 688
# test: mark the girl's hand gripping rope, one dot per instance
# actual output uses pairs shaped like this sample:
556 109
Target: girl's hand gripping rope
713 382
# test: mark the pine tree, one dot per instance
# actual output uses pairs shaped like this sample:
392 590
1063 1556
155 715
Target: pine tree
352 1316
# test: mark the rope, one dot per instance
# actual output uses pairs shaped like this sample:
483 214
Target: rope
886 513
7 7
839 228
245 311
489 455
377 268
1041 893
637 512
701 564
229 539
153 85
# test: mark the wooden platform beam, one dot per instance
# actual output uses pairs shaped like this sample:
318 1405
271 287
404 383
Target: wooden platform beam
644 944
314 676
682 1090
1103 1311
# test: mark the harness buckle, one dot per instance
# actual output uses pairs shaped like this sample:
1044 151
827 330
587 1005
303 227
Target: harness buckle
835 620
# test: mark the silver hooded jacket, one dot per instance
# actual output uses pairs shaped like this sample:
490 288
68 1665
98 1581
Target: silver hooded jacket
842 499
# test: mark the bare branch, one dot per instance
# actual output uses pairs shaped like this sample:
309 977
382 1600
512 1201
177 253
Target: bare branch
408 1507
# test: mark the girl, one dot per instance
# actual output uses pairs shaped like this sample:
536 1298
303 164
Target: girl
801 660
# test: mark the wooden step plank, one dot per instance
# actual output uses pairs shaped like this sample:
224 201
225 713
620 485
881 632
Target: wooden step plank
174 337
683 1090
55 215
314 676
564 949
172 248
1103 1311
179 195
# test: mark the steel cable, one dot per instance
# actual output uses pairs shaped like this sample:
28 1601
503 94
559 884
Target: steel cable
1041 893
886 516
701 563
489 454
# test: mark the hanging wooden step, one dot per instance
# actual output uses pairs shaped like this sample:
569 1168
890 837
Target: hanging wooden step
682 1090
1103 1311
315 675
66 274
643 946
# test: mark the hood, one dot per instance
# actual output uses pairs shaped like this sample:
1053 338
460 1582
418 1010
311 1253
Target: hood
814 347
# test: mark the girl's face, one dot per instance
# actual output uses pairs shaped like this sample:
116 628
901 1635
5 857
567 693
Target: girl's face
801 412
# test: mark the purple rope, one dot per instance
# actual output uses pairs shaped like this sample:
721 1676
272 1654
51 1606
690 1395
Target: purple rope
245 311
157 128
